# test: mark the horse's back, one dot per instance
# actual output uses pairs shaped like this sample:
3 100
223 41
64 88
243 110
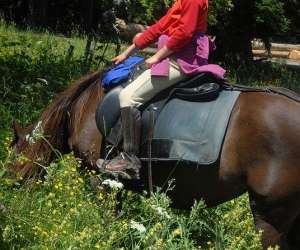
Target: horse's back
262 145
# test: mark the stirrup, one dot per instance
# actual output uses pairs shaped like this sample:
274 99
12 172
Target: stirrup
129 170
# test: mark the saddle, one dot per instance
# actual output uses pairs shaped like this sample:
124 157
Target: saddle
186 122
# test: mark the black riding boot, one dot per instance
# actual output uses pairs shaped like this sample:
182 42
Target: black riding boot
127 163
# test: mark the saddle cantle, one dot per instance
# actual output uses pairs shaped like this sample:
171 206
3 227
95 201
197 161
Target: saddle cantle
188 121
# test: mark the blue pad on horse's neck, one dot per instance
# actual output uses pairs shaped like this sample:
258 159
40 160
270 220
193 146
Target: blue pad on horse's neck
120 73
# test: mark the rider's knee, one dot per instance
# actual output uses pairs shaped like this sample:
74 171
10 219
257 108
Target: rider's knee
128 99
124 98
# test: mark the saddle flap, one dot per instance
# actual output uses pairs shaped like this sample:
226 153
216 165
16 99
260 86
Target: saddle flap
108 111
191 131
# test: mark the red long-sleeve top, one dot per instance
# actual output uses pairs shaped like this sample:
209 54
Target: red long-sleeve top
182 20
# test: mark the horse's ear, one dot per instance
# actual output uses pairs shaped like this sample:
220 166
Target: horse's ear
18 131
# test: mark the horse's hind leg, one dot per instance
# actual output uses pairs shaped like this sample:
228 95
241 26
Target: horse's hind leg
274 218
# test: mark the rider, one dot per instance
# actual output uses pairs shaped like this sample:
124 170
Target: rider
183 49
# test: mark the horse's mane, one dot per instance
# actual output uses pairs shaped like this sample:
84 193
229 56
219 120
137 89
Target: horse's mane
93 92
56 115
55 118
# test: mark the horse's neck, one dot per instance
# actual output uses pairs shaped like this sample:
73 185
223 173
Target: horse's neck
84 137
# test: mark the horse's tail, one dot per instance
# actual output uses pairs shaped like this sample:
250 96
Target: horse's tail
54 121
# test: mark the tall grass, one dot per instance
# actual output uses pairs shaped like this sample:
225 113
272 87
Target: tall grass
34 67
74 209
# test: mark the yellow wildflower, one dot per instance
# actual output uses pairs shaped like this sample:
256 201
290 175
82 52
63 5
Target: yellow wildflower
100 196
176 232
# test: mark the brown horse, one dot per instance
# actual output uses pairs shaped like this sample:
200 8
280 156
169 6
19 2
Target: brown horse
260 154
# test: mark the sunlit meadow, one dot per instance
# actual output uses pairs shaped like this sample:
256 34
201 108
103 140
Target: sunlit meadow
74 208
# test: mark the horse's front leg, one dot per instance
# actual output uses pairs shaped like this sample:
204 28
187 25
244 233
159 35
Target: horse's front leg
274 218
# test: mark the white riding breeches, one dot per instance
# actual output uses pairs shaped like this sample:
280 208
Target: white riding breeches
146 86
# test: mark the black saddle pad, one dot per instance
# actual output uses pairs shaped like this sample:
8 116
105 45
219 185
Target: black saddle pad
191 131
188 126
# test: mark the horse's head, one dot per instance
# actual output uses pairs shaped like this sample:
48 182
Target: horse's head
20 163
29 150
37 144
19 135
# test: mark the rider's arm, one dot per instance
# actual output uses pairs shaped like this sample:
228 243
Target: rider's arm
158 56
130 50
123 56
193 17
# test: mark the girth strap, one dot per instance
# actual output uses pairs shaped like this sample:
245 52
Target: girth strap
149 145
275 90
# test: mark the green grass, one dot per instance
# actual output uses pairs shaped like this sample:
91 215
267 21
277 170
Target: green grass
63 211
34 67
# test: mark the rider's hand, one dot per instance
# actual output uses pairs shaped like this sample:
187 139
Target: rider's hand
152 60
119 59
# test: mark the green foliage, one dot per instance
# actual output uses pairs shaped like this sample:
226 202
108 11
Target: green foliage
66 209
270 17
154 9
34 67
218 10
143 11
62 211
265 74
292 10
